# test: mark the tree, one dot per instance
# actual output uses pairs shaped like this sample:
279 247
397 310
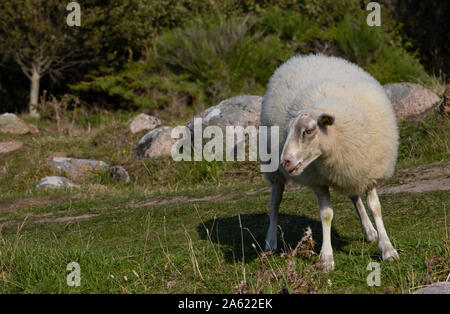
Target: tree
34 34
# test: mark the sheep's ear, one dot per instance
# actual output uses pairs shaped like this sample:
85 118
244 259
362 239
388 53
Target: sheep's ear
325 120
293 113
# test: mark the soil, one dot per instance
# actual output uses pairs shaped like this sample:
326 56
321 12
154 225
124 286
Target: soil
430 177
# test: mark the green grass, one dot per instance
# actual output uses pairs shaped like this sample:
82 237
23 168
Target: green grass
196 247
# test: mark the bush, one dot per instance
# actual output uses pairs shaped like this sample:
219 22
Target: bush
394 64
225 56
218 51
357 41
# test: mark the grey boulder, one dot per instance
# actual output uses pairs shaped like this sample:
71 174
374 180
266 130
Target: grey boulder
241 110
77 168
442 287
119 174
144 122
410 100
55 182
12 124
8 147
156 143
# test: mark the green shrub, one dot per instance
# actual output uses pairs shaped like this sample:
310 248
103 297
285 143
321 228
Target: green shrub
226 56
137 87
357 41
394 64
222 49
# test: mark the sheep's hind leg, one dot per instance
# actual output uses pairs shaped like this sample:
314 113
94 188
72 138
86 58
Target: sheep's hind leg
277 186
370 234
387 250
326 216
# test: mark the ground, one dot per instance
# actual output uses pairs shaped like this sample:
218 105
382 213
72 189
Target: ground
181 227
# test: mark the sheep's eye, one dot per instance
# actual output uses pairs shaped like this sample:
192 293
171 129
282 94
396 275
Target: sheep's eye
308 131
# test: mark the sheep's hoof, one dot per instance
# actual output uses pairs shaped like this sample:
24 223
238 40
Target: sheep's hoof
391 255
370 235
326 264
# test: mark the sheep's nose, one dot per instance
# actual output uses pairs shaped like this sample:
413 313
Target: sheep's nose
286 163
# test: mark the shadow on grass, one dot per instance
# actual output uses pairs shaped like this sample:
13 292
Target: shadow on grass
227 233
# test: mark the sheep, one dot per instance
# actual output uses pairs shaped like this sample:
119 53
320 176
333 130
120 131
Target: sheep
337 130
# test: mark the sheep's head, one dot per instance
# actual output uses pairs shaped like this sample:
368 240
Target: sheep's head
304 133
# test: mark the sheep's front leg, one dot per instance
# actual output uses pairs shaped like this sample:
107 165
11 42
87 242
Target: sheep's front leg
387 250
277 186
370 234
326 216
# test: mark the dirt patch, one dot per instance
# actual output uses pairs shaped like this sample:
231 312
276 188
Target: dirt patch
66 218
424 178
440 184
431 177
182 199
46 219
29 202
423 172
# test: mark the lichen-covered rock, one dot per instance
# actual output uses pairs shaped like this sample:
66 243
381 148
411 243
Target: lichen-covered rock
144 122
241 110
436 288
119 174
411 100
77 168
156 143
244 111
7 147
10 123
55 182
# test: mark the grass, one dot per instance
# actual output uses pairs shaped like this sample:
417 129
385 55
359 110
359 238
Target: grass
197 247
125 246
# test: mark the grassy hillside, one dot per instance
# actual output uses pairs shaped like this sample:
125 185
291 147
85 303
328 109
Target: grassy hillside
180 227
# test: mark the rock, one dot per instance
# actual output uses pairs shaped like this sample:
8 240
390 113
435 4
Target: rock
435 288
242 111
56 154
55 182
444 108
76 168
144 122
411 100
119 174
7 147
10 123
156 143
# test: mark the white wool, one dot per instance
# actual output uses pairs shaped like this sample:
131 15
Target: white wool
360 149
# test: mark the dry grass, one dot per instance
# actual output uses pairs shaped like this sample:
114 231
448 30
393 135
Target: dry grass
292 278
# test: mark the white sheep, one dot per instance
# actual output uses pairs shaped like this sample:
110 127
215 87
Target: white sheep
337 129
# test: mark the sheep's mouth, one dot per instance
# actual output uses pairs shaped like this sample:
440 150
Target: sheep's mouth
294 170
298 169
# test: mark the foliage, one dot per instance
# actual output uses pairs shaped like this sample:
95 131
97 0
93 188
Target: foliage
176 57
214 56
424 25
359 42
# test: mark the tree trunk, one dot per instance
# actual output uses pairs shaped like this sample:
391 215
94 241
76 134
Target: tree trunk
34 93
